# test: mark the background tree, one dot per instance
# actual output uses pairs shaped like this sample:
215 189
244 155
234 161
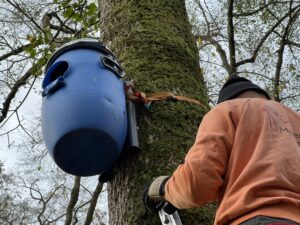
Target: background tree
258 39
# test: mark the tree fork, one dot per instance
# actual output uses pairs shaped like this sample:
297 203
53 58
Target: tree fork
155 45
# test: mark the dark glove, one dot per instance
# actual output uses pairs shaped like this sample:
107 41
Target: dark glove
169 208
154 192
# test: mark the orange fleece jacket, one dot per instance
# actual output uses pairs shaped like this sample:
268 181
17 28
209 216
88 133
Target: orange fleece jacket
247 156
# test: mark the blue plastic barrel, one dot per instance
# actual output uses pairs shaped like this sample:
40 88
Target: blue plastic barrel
84 121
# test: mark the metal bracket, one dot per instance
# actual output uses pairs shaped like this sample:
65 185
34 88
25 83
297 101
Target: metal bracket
169 219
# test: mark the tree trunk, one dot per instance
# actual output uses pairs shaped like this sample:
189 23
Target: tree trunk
154 43
94 199
73 200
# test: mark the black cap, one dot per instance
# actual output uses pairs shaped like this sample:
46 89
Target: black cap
236 85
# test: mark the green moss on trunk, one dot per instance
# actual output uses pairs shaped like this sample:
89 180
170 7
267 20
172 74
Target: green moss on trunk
153 41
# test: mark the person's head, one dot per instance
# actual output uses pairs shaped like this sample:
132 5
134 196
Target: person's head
239 87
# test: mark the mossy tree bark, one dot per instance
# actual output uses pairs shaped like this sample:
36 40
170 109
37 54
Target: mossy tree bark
154 43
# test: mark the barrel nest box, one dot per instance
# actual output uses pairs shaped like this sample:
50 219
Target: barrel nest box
84 118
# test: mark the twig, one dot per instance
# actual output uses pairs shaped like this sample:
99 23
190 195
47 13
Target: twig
15 51
255 11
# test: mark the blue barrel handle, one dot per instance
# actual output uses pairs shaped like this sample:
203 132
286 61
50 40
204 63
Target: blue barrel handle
54 86
110 62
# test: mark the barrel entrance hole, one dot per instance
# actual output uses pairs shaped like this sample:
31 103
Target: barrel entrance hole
56 70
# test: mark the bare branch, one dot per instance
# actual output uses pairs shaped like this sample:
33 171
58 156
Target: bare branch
204 15
63 27
221 52
66 31
280 55
212 63
96 193
264 38
77 209
230 32
11 130
18 118
86 189
258 74
19 83
291 43
16 6
53 193
290 96
73 201
14 52
38 198
256 10
27 94
56 219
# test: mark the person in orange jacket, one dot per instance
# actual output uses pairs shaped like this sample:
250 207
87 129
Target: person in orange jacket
246 157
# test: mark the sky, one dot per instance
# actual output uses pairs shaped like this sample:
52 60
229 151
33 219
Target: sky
28 111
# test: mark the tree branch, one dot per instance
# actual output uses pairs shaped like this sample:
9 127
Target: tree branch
221 52
255 11
280 56
63 27
77 209
21 82
73 200
65 30
40 199
14 52
290 96
291 43
96 193
230 32
264 38
204 15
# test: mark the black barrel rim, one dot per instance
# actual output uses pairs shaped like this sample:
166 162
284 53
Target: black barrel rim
78 44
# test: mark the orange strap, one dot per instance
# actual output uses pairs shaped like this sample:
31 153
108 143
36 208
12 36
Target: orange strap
135 95
171 96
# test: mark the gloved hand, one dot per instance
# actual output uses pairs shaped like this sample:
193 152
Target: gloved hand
154 192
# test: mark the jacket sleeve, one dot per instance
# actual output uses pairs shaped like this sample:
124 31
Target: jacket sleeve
199 179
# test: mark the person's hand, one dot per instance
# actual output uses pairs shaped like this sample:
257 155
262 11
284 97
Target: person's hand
153 196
